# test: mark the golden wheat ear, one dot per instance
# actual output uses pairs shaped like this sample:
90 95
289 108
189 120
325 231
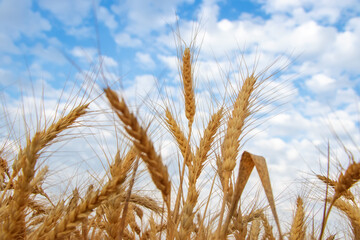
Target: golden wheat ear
268 232
344 183
143 144
297 230
187 77
347 194
347 180
179 136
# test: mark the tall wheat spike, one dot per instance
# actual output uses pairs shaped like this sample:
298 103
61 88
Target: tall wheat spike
187 77
231 144
235 124
145 147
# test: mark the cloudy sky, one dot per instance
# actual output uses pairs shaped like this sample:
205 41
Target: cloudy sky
45 44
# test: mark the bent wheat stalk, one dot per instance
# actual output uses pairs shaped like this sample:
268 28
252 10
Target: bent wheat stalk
247 163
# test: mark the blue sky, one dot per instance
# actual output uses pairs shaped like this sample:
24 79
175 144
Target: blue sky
319 38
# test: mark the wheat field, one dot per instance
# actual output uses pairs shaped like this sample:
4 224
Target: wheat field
115 209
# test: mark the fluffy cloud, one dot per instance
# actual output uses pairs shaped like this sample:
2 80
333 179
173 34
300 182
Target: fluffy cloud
85 54
71 13
47 54
125 40
107 17
320 83
17 18
143 17
145 60
327 12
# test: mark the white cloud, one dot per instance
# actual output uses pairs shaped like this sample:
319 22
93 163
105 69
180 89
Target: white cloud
209 11
125 40
108 18
141 85
353 25
225 25
109 61
321 83
48 53
347 96
86 54
37 71
71 13
344 53
17 18
144 60
143 17
80 32
326 11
